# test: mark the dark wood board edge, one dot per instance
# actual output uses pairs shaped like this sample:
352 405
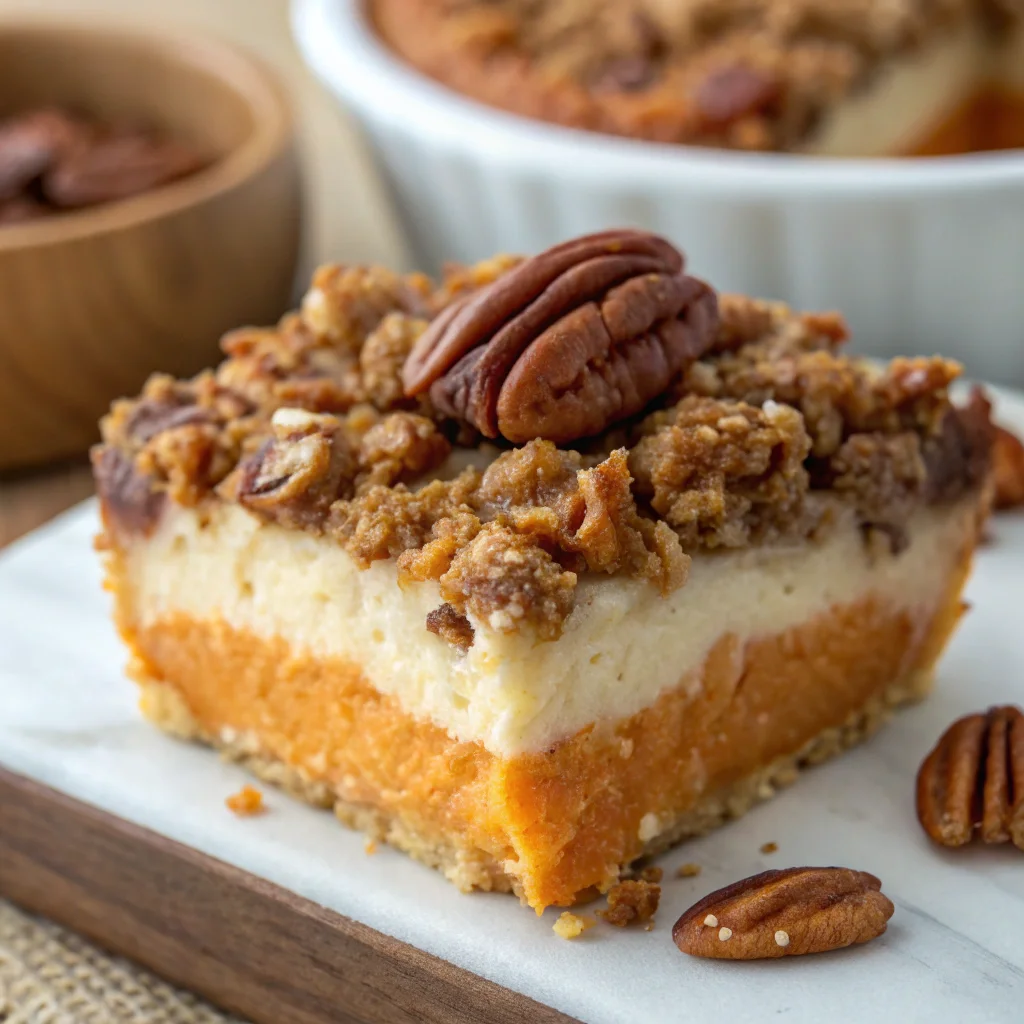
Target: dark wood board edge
245 944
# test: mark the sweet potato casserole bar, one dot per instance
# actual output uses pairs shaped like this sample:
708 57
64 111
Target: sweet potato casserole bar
546 566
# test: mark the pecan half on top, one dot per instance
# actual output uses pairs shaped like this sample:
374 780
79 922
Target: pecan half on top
973 781
569 342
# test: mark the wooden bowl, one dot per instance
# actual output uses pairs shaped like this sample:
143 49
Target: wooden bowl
93 301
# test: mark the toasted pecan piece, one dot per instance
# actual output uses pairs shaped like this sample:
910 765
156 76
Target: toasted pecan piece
1007 470
972 783
785 913
633 900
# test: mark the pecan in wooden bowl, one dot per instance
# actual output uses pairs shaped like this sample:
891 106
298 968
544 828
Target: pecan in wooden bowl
93 299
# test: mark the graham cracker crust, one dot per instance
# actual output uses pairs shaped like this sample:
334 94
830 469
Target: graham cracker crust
469 867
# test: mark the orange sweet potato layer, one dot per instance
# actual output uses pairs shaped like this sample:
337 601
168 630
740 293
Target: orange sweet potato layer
566 818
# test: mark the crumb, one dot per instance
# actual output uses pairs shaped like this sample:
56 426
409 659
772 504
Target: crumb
248 801
769 847
572 926
688 871
651 874
452 626
629 901
370 848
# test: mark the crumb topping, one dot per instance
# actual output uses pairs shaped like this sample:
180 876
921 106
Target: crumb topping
635 900
746 74
451 625
246 803
723 473
767 438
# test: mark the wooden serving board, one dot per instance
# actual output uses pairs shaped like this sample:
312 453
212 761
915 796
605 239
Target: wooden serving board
243 943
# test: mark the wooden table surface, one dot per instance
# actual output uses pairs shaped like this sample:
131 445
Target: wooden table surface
347 217
29 499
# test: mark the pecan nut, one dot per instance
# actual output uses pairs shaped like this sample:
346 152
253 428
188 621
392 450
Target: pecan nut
785 913
1007 470
972 783
569 342
30 145
295 474
130 502
122 165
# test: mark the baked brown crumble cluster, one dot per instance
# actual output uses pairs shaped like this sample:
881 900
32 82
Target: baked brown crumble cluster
766 433
747 74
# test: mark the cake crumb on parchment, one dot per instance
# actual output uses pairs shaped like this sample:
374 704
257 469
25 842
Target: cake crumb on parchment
631 901
688 870
572 926
247 802
769 847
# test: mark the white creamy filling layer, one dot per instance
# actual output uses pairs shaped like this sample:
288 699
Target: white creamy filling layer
622 646
910 97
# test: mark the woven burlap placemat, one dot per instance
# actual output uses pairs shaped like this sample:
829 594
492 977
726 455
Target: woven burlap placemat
51 976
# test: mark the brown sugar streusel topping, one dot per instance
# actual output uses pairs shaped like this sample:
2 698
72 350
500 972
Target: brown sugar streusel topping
746 74
631 901
768 436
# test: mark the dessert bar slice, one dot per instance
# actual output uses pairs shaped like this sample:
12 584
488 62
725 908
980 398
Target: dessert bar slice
545 567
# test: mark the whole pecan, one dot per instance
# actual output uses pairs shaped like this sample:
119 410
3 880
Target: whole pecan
123 164
31 143
568 342
785 913
973 781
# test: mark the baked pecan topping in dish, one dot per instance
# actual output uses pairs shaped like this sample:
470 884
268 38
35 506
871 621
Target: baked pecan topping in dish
743 74
569 342
972 783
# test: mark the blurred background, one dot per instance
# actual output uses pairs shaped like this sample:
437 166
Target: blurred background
373 162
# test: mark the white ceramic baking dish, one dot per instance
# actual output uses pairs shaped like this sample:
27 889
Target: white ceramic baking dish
922 255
